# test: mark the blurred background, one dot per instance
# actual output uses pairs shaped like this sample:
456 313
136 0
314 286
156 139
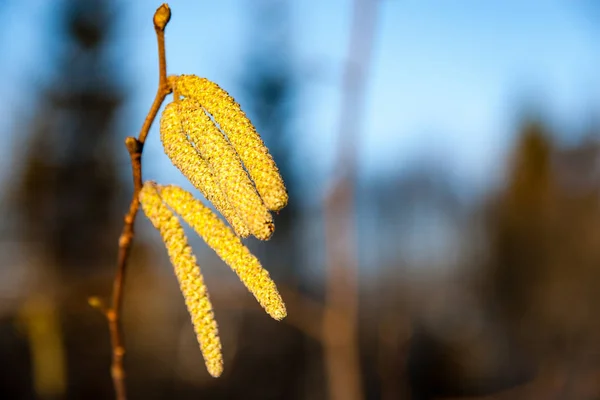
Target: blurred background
442 239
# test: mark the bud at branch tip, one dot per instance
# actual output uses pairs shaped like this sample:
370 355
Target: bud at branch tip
162 16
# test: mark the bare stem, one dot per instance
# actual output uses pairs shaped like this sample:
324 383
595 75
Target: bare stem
135 148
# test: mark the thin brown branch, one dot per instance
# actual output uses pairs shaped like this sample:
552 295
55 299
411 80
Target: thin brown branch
135 148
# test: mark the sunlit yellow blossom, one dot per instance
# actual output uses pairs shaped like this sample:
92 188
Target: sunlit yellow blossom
228 246
185 157
188 274
241 134
227 168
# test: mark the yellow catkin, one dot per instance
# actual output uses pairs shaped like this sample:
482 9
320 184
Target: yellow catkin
188 274
227 246
242 135
185 157
227 167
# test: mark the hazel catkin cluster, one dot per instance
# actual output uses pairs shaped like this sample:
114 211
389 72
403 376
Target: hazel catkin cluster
206 128
160 203
211 141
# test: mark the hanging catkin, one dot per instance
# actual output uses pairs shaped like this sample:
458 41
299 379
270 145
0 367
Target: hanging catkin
188 274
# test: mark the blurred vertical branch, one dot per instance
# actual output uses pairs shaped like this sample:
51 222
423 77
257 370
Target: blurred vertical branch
341 334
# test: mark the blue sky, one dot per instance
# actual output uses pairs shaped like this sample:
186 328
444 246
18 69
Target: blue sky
447 78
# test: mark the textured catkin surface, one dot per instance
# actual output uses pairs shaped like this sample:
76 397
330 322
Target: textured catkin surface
197 170
188 274
228 246
241 134
227 168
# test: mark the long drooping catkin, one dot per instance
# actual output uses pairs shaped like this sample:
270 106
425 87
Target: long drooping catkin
188 274
227 168
242 135
228 246
185 157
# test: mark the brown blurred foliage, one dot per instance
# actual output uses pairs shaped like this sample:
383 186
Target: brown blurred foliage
544 252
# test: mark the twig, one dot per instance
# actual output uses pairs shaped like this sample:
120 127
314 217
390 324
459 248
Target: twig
135 148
